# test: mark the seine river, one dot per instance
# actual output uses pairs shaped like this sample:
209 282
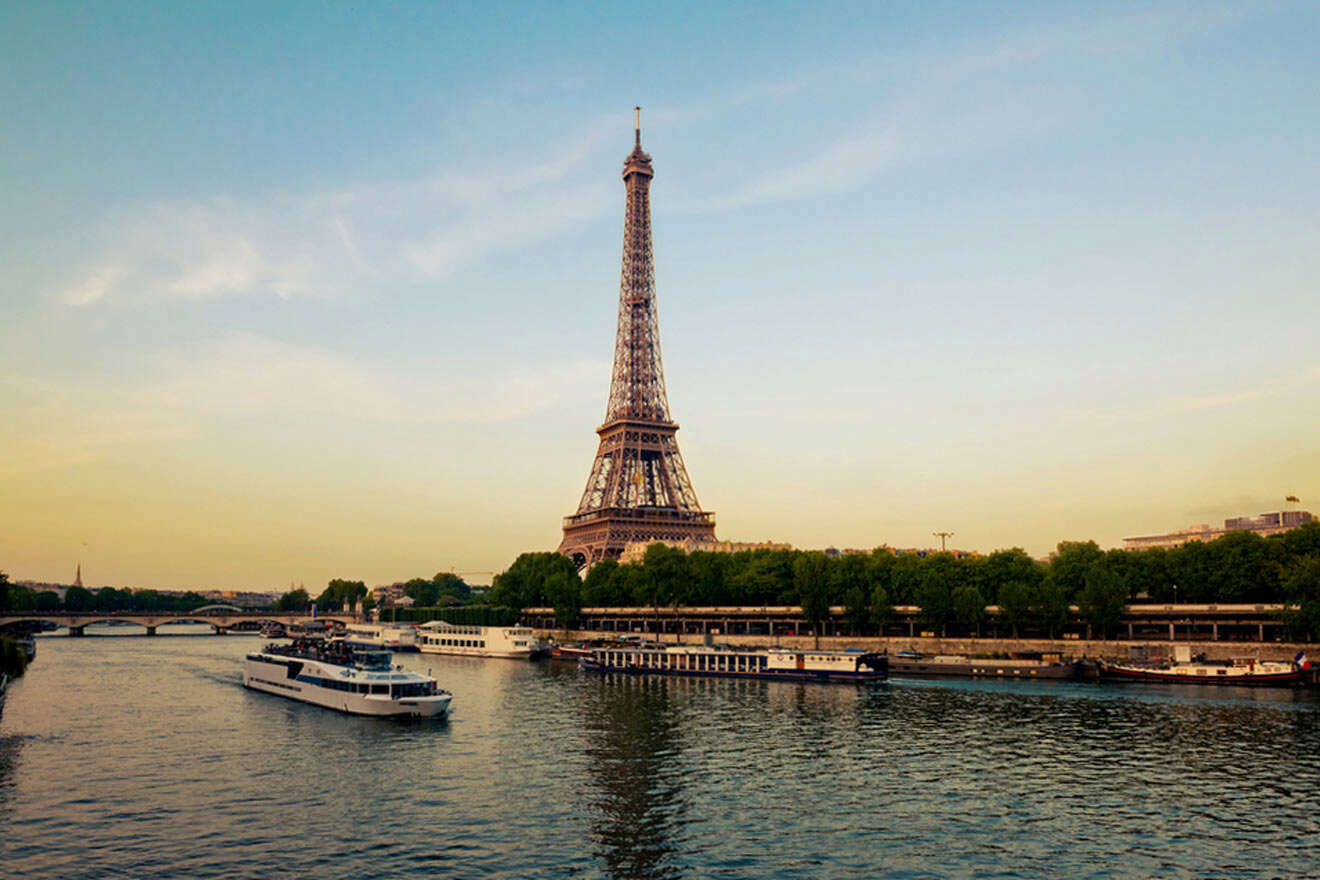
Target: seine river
130 757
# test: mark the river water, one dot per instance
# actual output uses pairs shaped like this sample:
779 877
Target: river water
134 757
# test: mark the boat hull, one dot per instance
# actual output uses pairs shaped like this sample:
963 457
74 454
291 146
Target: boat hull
983 669
270 679
765 674
1110 672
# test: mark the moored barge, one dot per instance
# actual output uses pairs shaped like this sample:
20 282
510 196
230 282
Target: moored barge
772 663
1244 672
956 666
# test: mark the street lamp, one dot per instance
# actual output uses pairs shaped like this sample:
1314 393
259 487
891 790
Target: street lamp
942 536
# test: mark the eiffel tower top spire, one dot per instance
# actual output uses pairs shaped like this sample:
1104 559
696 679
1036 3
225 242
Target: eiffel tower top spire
637 389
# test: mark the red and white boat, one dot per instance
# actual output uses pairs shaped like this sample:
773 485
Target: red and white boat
1185 670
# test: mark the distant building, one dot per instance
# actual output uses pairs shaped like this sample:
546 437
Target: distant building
390 594
1265 524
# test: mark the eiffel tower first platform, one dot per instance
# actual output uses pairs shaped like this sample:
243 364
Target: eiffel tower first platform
638 489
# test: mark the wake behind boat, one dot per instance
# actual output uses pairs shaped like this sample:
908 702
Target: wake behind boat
336 676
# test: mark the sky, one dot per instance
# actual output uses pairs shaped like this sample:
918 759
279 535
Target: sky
298 291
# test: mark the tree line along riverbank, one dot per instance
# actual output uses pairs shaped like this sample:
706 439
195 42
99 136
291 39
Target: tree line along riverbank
951 591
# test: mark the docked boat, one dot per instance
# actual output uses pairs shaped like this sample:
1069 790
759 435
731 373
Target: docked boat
336 676
1188 670
914 663
379 636
274 630
439 637
725 662
308 629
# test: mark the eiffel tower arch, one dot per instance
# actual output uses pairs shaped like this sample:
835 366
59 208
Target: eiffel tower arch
638 489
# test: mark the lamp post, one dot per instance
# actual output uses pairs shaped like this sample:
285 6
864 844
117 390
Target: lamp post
942 536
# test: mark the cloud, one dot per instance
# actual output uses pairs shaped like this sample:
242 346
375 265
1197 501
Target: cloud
245 375
937 108
345 241
1273 386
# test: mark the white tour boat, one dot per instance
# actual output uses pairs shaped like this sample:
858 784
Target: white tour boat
336 676
438 637
782 663
380 636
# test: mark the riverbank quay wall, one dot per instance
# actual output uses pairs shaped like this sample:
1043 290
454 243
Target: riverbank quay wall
1229 627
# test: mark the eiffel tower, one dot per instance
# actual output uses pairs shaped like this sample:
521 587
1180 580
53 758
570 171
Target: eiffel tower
638 489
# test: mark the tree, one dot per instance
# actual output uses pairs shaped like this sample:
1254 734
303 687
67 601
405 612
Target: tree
78 599
368 603
1103 599
1072 562
1014 566
1301 586
1052 606
882 610
601 588
564 590
449 584
293 602
13 659
968 607
811 579
5 599
424 593
47 600
855 609
1015 601
940 576
524 584
341 594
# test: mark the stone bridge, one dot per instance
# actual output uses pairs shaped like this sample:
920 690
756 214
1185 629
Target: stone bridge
220 618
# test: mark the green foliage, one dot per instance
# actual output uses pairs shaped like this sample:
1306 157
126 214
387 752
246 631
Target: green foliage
1072 563
811 582
13 661
1301 586
1015 605
340 594
459 615
1051 606
368 603
969 607
79 599
293 602
881 609
6 598
564 590
526 582
666 579
855 609
1102 599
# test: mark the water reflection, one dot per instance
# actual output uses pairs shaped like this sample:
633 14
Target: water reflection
637 802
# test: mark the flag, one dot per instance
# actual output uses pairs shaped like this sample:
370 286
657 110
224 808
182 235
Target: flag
1292 498
1301 661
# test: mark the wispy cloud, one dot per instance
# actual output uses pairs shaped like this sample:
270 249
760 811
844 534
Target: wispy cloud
244 375
1273 386
344 240
917 108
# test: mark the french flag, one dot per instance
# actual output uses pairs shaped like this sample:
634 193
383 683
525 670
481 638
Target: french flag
1302 662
